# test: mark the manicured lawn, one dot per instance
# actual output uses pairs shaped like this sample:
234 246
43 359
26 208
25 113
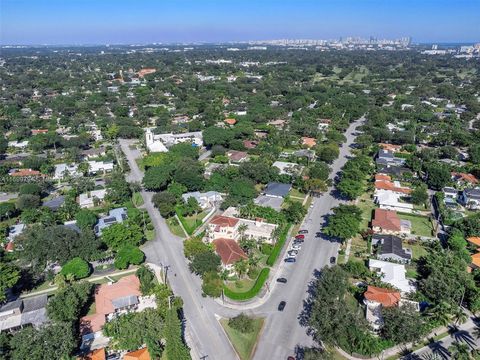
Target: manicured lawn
421 225
240 285
191 223
366 204
418 250
295 193
359 248
244 344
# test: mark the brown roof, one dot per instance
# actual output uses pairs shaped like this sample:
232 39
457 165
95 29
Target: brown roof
141 354
39 131
230 121
229 251
236 155
386 219
465 177
475 240
390 147
92 323
382 177
308 141
224 221
476 260
386 297
98 354
25 172
146 71
388 185
250 144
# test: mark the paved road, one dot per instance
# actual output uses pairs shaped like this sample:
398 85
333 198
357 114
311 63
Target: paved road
203 332
283 332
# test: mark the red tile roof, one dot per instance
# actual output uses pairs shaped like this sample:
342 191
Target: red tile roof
308 141
382 177
250 144
224 221
386 297
26 172
475 240
146 71
229 251
141 354
39 131
230 121
388 185
390 147
386 219
465 177
98 354
236 155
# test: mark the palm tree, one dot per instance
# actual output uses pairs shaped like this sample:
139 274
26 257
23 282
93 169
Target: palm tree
459 316
459 351
253 260
440 313
240 267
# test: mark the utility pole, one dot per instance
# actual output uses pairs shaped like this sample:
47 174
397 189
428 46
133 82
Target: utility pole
165 271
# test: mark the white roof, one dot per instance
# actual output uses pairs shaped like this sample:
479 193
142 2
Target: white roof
287 167
390 198
87 198
65 169
95 166
393 274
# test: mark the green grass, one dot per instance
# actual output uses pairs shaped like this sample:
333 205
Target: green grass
137 199
150 235
191 223
175 227
366 204
244 344
296 193
250 293
92 309
277 249
240 285
418 250
421 225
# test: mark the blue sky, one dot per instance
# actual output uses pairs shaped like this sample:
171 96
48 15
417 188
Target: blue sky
144 21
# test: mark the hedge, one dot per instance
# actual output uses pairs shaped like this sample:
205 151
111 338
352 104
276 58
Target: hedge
253 291
278 246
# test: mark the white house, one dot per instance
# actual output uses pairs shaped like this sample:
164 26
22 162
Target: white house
95 167
63 170
161 142
390 200
18 144
393 274
288 168
206 199
87 200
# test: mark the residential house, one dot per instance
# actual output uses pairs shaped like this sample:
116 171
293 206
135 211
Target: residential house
141 354
288 168
390 200
324 124
230 122
210 168
305 153
390 147
94 152
161 142
393 170
206 200
114 216
475 262
470 198
95 167
278 124
98 354
387 158
228 227
113 300
390 248
17 314
39 131
308 142
250 144
18 144
64 170
388 222
393 274
55 203
91 198
146 71
273 195
24 173
384 182
375 299
450 196
15 230
235 156
464 179
229 251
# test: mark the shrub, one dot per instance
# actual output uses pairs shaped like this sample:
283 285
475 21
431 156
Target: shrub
147 280
242 323
77 267
212 284
278 246
30 189
128 255
253 290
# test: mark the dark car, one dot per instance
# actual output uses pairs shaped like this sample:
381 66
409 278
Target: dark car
333 259
300 236
290 259
282 280
296 241
318 234
281 306
303 231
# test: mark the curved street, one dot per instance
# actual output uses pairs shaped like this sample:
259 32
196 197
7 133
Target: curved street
282 332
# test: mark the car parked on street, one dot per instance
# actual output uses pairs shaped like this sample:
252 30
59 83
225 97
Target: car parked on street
333 259
292 253
282 280
290 260
300 236
282 305
303 232
295 240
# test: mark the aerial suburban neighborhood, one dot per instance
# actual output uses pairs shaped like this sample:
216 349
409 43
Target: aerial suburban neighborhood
264 199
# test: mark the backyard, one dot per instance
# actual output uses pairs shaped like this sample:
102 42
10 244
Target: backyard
421 225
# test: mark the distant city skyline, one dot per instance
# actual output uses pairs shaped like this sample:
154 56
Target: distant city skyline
54 22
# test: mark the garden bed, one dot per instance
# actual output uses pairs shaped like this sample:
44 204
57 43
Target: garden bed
244 344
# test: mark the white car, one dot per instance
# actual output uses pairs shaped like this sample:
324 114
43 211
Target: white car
292 253
296 247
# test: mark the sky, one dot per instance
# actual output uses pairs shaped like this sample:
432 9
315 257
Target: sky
147 21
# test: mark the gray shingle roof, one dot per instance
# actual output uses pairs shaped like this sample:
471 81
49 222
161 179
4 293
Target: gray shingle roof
277 189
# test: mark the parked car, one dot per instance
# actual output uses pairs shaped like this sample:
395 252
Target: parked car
333 259
298 240
281 306
300 236
303 232
282 280
290 259
296 246
318 234
292 253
